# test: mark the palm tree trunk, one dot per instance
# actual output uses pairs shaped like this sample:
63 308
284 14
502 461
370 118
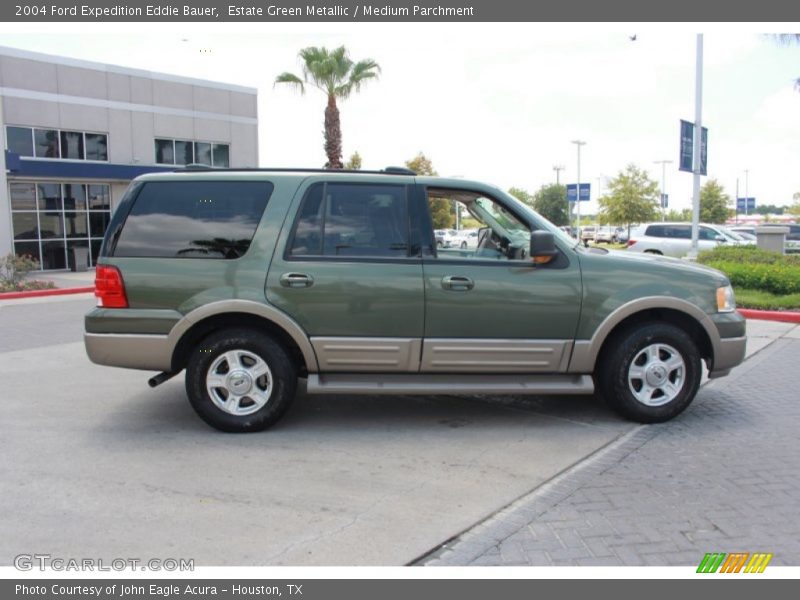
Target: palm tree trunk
333 135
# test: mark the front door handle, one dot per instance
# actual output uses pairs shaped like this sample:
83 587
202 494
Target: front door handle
457 283
296 280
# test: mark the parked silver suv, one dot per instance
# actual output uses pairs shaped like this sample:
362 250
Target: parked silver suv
675 239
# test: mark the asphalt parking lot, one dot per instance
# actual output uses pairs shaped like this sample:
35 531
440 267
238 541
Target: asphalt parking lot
96 464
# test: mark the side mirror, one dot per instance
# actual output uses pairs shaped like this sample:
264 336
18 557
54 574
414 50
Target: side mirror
720 238
543 245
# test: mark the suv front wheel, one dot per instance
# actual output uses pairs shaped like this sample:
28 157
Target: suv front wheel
651 374
239 380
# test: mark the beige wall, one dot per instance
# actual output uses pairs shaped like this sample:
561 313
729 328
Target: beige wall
132 107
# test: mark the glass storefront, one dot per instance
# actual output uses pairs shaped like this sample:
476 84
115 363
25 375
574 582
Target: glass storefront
49 219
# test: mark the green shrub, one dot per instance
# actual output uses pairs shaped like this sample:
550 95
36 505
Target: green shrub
750 267
13 269
746 254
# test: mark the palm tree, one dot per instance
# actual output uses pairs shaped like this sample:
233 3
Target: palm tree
337 76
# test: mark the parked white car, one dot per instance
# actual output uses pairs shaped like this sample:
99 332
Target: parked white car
466 238
675 239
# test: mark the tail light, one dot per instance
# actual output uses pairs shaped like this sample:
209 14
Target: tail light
630 243
109 287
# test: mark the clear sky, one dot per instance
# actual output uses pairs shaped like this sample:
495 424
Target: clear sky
496 102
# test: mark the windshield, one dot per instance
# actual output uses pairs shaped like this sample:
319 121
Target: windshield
732 235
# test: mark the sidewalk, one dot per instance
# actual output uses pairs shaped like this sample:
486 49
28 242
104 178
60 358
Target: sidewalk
722 477
65 279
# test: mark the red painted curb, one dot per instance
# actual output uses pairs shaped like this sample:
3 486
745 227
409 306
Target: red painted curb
39 293
770 315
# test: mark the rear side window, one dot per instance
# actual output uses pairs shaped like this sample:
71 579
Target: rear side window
655 231
343 220
197 219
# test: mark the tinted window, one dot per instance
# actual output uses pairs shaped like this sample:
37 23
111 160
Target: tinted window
655 231
681 232
203 219
96 146
707 234
72 144
352 220
20 140
46 141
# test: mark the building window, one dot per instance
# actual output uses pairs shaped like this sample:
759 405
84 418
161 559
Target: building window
185 152
55 143
20 140
50 219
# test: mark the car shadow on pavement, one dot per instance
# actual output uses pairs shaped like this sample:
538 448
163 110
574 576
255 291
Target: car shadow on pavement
167 409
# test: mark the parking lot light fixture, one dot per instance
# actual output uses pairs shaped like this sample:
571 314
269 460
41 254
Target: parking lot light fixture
578 143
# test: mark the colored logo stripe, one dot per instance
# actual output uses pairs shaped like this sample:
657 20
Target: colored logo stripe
733 563
758 563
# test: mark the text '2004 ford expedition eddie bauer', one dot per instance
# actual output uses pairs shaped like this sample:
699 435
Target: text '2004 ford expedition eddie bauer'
250 280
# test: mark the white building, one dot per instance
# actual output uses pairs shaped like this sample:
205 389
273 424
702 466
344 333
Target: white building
76 133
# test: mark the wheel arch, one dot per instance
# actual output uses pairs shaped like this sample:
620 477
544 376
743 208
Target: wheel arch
203 321
681 313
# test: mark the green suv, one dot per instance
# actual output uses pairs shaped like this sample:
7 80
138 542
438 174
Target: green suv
251 280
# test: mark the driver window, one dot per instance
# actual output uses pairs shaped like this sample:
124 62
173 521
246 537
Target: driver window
470 226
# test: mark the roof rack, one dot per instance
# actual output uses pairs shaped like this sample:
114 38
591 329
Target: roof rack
206 168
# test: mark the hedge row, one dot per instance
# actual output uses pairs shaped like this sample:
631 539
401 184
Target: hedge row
752 268
748 255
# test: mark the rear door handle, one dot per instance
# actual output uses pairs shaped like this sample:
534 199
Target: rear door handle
457 283
296 280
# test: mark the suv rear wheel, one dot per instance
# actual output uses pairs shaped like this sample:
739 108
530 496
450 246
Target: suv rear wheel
239 380
652 373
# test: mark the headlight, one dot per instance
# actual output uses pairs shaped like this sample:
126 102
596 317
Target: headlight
725 299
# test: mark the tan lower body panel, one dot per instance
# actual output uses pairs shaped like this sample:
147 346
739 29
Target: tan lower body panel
495 356
357 355
146 352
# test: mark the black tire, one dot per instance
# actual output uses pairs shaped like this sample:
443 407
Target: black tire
246 347
630 353
656 252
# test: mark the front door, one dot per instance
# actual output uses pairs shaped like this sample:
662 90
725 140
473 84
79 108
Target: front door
346 271
489 308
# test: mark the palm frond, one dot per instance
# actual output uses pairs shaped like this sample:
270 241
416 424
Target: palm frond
292 80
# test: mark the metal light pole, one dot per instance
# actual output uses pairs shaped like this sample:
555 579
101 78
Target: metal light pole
698 132
746 185
558 169
663 164
578 143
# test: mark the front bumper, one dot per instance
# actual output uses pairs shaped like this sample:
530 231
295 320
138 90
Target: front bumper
730 354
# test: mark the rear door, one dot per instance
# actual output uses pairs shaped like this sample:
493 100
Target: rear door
346 270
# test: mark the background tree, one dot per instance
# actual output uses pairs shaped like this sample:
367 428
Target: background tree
713 202
769 209
795 207
522 195
354 162
631 197
679 215
442 211
551 202
337 76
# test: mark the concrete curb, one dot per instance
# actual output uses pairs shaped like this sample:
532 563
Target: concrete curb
40 293
784 316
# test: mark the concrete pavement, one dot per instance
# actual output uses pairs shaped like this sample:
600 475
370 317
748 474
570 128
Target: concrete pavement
722 477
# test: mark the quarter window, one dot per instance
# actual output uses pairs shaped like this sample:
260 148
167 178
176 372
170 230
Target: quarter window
347 220
201 219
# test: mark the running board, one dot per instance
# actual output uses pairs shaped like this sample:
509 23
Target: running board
431 384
